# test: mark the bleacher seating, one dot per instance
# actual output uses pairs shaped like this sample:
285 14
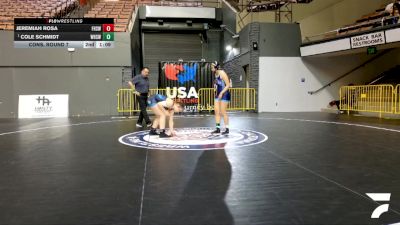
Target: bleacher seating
10 9
271 5
186 3
120 11
380 17
383 16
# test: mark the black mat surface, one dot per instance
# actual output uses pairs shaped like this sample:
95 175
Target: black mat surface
315 168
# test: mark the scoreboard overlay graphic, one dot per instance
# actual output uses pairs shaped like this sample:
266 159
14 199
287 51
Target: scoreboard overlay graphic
63 33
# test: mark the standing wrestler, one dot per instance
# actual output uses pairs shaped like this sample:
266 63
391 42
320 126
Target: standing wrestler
222 97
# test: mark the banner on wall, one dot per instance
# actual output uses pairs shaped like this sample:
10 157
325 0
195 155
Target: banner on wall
183 81
43 106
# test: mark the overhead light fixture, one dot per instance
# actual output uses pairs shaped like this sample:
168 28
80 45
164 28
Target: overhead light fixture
228 48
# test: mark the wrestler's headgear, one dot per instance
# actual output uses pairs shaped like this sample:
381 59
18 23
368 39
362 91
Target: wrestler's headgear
216 65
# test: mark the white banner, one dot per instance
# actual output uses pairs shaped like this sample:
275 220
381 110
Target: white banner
392 35
43 106
365 40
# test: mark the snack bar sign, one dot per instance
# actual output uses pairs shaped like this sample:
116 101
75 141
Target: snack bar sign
366 40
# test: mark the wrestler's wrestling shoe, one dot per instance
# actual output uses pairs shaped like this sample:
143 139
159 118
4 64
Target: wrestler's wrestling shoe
225 132
164 135
153 132
216 131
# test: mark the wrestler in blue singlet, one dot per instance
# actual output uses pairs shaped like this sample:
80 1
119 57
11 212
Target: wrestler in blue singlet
154 99
219 86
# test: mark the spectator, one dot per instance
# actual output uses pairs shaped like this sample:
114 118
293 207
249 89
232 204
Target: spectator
337 103
393 8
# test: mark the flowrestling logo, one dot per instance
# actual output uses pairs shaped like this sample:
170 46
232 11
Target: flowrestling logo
379 197
198 138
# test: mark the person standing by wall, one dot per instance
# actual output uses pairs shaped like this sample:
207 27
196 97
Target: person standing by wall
140 84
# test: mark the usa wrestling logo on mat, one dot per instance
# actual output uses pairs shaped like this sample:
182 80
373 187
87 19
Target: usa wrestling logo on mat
198 138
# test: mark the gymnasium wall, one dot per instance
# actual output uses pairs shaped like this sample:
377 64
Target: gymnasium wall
300 11
90 76
276 69
283 90
318 16
279 39
244 57
211 50
228 19
274 40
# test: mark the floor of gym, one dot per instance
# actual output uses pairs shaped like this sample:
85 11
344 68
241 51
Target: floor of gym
315 168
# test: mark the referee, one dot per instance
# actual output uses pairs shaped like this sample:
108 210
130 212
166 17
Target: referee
140 84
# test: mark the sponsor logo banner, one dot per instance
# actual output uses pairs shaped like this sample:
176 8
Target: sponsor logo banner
43 106
182 80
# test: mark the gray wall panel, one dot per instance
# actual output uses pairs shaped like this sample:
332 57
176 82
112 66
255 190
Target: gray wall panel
279 39
228 19
7 103
212 49
248 56
90 92
136 46
244 39
274 40
81 74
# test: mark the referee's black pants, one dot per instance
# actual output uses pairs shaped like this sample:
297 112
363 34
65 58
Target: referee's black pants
142 99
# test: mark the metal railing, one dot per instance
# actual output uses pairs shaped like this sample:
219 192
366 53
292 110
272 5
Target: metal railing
350 30
241 99
368 98
127 102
